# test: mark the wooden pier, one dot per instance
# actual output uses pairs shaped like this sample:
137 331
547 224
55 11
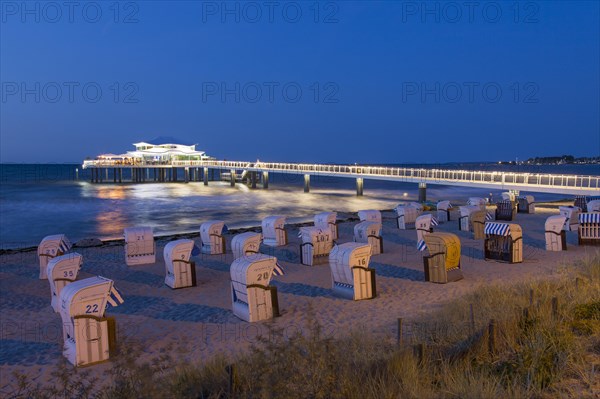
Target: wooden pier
253 173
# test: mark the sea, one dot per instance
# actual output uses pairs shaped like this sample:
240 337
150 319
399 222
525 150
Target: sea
37 200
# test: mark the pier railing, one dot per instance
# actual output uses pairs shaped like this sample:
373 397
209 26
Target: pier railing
493 179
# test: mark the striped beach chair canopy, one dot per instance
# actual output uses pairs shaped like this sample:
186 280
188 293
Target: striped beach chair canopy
498 229
589 218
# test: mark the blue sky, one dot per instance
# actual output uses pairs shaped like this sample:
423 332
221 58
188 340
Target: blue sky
367 82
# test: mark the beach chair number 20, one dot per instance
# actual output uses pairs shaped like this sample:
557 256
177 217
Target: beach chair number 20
263 276
91 308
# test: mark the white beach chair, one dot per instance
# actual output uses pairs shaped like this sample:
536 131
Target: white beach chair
327 220
370 233
316 243
464 221
273 231
526 204
593 206
443 211
245 244
477 201
572 215
556 239
140 248
370 215
442 265
62 270
503 242
180 272
89 336
252 297
589 228
424 225
508 196
350 273
50 247
406 215
211 236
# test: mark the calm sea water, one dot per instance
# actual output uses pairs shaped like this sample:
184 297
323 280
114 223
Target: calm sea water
38 200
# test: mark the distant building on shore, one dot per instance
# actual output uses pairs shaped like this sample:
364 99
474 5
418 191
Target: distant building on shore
158 151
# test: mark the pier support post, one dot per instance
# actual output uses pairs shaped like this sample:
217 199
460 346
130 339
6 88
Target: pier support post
253 179
147 173
106 174
359 186
114 175
120 175
306 183
265 179
232 177
76 173
422 192
186 172
205 176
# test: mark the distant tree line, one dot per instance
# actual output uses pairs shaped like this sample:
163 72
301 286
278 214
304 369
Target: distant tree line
563 159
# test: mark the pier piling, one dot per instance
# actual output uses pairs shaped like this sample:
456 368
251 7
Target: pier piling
422 192
359 186
306 183
265 180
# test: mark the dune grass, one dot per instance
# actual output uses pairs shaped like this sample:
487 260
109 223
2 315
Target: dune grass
546 344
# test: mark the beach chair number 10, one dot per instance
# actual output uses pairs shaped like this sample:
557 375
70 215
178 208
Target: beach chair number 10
263 276
91 308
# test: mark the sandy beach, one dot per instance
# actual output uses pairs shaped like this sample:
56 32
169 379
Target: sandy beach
197 323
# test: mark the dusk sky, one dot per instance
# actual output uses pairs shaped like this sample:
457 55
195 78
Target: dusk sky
367 82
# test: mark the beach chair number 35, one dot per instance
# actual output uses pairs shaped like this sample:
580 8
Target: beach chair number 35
68 273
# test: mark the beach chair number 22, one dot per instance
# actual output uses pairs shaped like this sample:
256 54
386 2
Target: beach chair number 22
91 308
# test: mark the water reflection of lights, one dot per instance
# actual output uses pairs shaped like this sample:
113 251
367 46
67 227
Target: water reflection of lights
111 222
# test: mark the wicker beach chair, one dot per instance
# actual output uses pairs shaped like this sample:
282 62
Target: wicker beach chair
89 336
62 270
556 239
370 233
273 231
503 242
589 228
140 248
211 236
316 244
180 271
442 264
351 276
327 220
253 299
245 244
50 247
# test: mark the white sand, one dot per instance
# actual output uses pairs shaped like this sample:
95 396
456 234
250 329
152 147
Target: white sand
199 321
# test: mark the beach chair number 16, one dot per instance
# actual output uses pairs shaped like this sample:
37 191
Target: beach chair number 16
362 261
91 308
263 276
